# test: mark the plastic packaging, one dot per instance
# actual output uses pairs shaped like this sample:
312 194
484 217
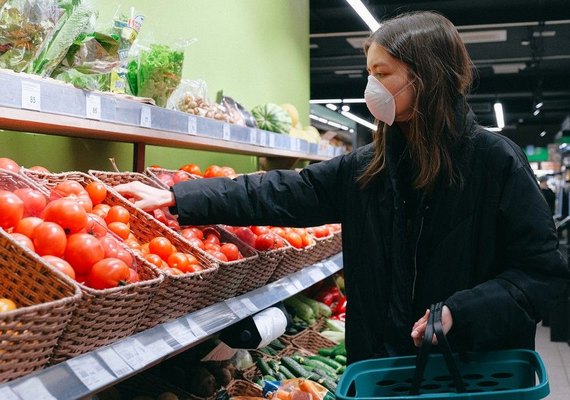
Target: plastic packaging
191 96
238 114
289 388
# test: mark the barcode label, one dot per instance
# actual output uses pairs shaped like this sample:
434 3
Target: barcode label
331 266
31 96
32 389
180 333
7 394
114 362
241 308
195 328
297 283
90 372
316 274
93 106
158 349
290 288
146 119
133 352
192 125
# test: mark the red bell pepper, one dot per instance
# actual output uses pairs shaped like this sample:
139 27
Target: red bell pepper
340 306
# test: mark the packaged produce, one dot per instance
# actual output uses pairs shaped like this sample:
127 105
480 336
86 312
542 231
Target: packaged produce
271 117
25 28
191 97
238 114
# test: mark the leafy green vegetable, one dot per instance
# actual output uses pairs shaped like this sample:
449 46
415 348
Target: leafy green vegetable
159 72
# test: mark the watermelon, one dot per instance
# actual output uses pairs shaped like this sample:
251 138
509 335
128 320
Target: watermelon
271 117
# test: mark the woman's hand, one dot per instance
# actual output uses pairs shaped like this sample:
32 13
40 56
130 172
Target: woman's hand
146 197
419 328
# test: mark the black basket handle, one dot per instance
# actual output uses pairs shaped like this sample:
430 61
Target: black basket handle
434 325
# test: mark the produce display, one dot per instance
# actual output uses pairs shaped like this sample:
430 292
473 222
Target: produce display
272 117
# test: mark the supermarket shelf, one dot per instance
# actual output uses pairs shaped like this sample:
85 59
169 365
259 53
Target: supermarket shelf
31 104
94 371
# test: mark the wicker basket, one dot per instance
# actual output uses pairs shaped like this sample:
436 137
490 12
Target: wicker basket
154 173
46 300
240 387
311 341
336 244
323 249
253 373
293 260
230 275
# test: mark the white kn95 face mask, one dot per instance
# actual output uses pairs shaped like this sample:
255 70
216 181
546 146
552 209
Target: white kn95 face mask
380 101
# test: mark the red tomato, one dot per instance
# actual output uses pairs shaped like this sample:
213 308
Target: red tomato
108 273
61 265
245 234
231 251
212 171
27 225
96 226
67 213
133 276
294 239
34 201
228 172
23 240
49 239
212 236
97 192
9 165
111 246
161 246
101 210
192 169
265 242
120 229
160 215
82 251
39 168
73 190
126 256
197 243
180 176
212 246
178 260
191 232
321 231
153 259
118 214
191 259
11 209
218 254
260 230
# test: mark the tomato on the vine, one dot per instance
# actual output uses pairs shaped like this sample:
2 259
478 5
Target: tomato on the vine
11 209
108 273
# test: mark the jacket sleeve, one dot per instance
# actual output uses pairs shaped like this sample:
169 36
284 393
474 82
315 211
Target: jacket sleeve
530 272
281 197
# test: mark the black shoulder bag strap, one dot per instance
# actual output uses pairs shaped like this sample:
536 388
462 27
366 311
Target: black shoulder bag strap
434 326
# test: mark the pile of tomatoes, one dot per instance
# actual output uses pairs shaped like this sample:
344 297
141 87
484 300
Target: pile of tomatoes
264 238
209 240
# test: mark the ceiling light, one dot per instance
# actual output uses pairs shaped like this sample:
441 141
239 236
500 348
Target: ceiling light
543 134
331 107
348 72
538 105
494 129
354 100
536 112
325 101
510 68
499 115
363 12
313 46
525 42
357 42
359 120
351 130
544 34
345 108
492 36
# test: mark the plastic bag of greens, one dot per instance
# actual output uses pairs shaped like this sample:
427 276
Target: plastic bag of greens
158 71
94 53
80 80
26 27
80 18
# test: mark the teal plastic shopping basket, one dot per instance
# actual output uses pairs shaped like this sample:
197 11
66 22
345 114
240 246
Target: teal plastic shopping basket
505 375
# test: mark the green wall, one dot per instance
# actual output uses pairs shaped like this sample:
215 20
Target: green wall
257 51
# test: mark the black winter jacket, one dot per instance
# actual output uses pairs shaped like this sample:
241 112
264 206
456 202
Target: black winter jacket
489 248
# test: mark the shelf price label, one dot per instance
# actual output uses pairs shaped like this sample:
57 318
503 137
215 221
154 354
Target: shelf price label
92 106
7 394
146 119
31 96
33 389
114 362
296 283
242 308
252 136
180 333
317 274
90 372
226 135
290 288
196 328
271 139
262 138
133 352
192 125
158 349
331 266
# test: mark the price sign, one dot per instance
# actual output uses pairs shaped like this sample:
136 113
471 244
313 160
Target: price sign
226 132
33 389
180 333
93 106
252 136
317 274
133 352
262 138
271 139
331 266
192 125
31 98
146 119
195 328
293 144
158 349
90 372
242 308
114 362
7 394
290 288
297 283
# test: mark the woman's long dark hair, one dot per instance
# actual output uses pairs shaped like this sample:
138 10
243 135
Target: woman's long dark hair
440 70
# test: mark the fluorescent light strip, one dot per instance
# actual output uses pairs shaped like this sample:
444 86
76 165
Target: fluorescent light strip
326 121
499 115
363 12
359 120
494 129
325 101
331 106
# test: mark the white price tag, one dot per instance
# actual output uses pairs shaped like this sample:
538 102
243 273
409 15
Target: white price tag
226 132
158 349
297 144
93 106
192 125
180 333
31 96
7 394
242 308
293 144
252 136
33 389
248 304
262 138
271 139
146 119
297 283
195 328
316 274
133 352
114 362
90 372
331 266
290 288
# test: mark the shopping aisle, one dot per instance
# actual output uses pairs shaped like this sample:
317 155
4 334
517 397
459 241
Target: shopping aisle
556 356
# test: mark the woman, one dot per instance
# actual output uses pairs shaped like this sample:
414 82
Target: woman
435 209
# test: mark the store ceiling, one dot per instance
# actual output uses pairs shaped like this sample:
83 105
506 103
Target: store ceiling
521 50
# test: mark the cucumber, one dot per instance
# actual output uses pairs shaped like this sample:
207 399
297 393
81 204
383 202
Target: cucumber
326 352
322 366
263 367
280 376
294 367
268 378
286 372
277 344
340 359
329 361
